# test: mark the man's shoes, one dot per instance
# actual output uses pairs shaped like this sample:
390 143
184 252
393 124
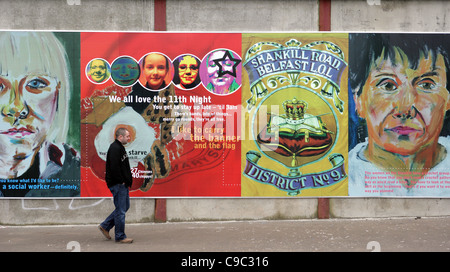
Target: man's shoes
125 241
104 232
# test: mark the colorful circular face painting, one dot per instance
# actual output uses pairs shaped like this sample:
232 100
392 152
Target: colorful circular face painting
157 71
220 71
98 71
186 72
125 71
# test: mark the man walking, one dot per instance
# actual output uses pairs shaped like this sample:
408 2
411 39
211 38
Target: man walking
118 179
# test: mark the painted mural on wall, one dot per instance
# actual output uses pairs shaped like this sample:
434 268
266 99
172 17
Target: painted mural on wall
399 122
38 155
179 95
296 111
226 114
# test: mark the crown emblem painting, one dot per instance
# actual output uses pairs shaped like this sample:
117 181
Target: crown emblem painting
295 109
296 137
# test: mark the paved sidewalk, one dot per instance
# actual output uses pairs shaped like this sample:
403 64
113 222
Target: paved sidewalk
361 235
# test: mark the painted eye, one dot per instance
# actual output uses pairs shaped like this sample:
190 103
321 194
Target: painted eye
388 85
37 84
427 85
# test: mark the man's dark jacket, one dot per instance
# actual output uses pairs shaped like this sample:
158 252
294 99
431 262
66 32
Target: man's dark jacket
117 166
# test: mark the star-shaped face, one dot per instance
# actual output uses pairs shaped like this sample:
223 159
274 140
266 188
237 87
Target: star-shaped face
227 64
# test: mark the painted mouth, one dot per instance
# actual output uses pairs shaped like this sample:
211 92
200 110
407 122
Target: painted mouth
402 130
221 80
17 132
125 81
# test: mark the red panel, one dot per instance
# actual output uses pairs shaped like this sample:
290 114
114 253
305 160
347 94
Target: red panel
324 15
160 15
323 207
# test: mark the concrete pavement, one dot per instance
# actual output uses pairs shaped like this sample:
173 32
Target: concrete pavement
348 235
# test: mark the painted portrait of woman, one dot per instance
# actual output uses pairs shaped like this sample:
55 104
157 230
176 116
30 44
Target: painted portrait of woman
35 90
401 98
157 71
186 76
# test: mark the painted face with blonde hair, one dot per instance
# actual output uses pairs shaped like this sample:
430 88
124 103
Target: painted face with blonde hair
32 78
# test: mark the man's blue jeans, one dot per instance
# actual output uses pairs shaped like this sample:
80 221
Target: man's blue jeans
117 217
